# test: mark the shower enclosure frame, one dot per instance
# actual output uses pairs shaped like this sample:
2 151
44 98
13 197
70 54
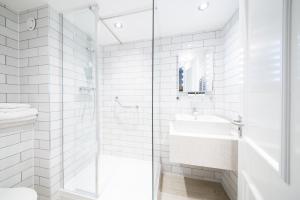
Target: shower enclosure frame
75 195
94 9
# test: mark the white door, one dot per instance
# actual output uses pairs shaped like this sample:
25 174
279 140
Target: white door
269 150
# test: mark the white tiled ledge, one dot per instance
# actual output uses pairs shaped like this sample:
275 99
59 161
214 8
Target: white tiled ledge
16 115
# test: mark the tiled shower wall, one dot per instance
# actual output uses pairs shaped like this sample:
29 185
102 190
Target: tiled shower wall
127 76
125 73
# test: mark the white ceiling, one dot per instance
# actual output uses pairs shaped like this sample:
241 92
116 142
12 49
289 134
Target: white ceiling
115 7
172 17
182 16
135 27
135 15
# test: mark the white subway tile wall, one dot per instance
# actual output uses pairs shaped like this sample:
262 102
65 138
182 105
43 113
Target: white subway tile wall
232 88
16 143
16 156
9 55
127 76
125 73
35 84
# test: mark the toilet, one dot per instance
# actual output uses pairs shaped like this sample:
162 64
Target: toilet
17 194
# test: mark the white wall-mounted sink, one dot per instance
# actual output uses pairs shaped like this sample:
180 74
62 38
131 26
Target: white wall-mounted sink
205 140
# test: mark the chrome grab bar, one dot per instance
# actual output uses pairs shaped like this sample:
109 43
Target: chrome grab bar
117 100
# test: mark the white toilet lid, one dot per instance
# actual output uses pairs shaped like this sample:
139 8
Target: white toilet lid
17 194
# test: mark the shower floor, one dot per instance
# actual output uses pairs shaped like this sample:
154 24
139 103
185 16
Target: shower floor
125 178
118 177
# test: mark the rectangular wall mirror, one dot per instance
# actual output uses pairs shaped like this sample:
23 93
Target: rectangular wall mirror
195 71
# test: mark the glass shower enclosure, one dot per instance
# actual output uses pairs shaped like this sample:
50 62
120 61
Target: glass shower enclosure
109 148
79 80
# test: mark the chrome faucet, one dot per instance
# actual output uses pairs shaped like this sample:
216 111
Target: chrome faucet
239 124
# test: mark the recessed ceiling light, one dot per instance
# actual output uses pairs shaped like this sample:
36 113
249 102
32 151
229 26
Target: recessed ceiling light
118 25
203 6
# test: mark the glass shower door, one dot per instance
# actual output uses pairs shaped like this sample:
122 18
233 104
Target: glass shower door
79 102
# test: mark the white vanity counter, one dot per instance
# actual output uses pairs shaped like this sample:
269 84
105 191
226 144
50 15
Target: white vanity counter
204 140
210 126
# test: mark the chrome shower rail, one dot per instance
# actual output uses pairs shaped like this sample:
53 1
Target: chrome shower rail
123 106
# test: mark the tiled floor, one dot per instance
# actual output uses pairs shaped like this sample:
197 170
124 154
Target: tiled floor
181 188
